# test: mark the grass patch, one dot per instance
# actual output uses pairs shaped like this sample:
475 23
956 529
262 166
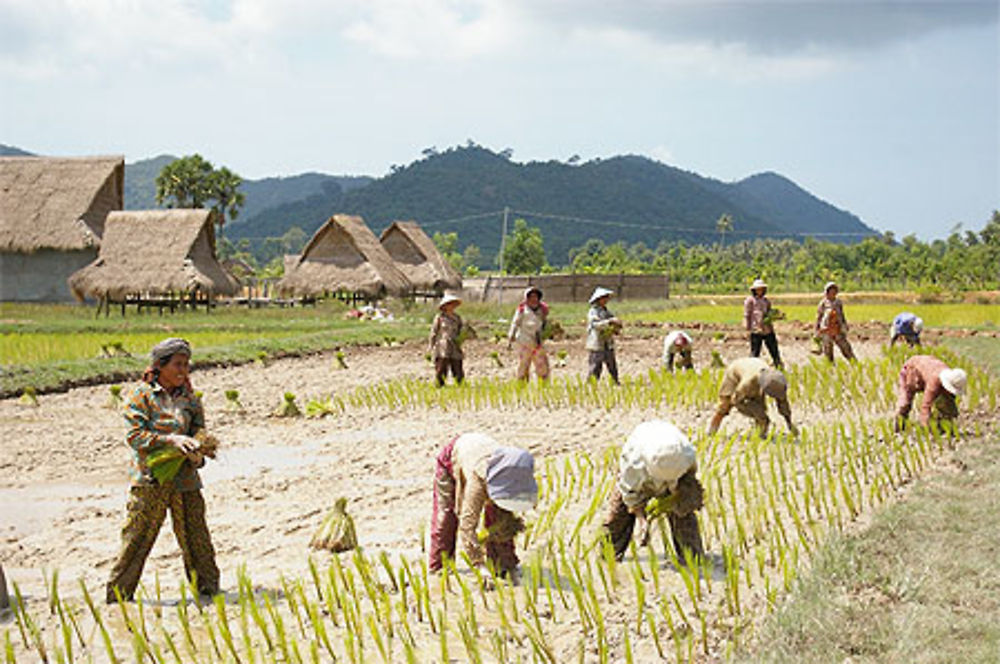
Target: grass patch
984 351
921 584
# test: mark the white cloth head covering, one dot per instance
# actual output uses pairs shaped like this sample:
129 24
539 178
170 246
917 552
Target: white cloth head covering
510 479
678 338
655 450
532 289
757 283
600 292
918 325
954 380
829 285
449 298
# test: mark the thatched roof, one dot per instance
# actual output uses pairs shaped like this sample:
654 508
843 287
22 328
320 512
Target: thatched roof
155 251
57 203
418 258
344 255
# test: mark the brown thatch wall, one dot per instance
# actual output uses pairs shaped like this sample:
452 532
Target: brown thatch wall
57 203
419 259
156 252
344 255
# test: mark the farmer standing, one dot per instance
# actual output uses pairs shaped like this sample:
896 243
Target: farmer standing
677 343
657 461
939 383
757 320
602 326
477 475
445 348
526 329
163 412
831 323
907 325
745 384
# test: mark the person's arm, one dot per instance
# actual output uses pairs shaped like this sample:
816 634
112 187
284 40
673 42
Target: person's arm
515 323
474 497
725 405
142 435
843 318
748 305
931 392
435 328
819 316
785 408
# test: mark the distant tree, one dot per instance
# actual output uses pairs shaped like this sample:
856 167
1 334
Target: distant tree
507 153
575 159
447 245
724 225
432 151
470 259
192 182
524 251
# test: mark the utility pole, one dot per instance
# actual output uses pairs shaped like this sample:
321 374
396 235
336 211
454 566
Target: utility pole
503 237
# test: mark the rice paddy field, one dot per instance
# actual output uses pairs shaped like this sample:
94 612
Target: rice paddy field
370 428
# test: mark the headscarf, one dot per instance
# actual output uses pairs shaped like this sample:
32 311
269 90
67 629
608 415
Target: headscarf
161 353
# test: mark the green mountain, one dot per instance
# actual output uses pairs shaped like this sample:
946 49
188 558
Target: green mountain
629 198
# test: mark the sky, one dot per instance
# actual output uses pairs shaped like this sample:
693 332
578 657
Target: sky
889 110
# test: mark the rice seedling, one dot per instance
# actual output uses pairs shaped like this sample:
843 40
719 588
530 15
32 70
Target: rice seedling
233 404
29 397
114 401
337 531
340 360
287 407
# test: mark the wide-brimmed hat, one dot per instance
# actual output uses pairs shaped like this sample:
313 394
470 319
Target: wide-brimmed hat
829 285
757 283
600 292
448 299
954 380
532 289
657 448
510 479
773 383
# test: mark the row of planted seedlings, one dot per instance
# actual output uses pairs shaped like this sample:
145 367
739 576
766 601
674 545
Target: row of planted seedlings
769 504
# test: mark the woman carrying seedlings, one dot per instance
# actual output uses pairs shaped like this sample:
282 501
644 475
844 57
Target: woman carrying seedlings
164 412
526 329
602 327
745 384
907 325
757 318
831 323
445 347
939 383
476 475
677 343
657 462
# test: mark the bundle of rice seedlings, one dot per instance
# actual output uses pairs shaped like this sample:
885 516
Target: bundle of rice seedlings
287 407
164 463
233 401
717 362
553 330
115 398
561 354
496 358
337 531
341 363
507 526
262 358
773 315
467 332
29 397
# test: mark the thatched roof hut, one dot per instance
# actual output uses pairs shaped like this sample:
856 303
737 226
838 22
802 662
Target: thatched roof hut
344 255
155 252
52 213
419 259
57 203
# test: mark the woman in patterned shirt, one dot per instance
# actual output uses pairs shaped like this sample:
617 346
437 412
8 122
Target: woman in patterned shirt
165 412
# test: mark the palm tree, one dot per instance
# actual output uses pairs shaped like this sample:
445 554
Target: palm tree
724 225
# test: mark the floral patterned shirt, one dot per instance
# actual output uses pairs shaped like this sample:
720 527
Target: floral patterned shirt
444 336
152 413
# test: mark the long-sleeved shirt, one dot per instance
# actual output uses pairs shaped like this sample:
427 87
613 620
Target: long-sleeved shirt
443 340
920 373
526 326
599 331
903 324
741 382
152 414
470 459
830 317
754 310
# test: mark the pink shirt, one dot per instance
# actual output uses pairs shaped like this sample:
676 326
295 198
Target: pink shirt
920 373
754 310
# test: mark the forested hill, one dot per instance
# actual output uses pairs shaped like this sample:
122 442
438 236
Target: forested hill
626 198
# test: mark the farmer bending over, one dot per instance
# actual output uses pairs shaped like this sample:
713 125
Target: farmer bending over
475 475
939 383
745 384
907 325
677 344
657 461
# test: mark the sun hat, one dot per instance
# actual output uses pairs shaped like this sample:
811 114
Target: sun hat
510 479
532 289
954 381
829 285
448 299
600 292
757 283
773 383
656 449
169 347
